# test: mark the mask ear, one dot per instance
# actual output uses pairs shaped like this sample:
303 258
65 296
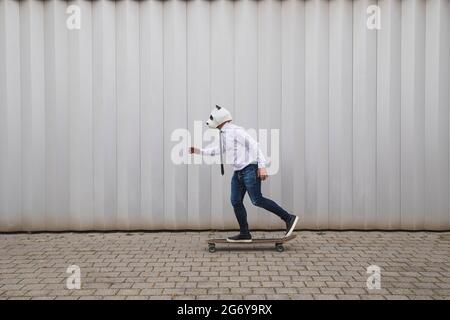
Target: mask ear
217 107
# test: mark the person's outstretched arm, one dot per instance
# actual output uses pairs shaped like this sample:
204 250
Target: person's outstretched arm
207 151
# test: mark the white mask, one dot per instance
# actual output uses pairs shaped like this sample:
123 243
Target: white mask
218 116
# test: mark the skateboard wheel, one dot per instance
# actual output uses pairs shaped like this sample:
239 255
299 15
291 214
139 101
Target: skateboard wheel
279 247
212 248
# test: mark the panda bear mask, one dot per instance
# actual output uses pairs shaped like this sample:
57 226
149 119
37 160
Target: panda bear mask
218 116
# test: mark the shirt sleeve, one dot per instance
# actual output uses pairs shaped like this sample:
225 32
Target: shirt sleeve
210 151
253 148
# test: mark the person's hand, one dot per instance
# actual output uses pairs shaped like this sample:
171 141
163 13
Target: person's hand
194 150
262 173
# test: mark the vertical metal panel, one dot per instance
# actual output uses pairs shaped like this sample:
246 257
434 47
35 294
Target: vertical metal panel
222 93
413 114
292 135
364 118
175 112
57 117
10 113
446 44
198 81
87 116
436 113
388 115
246 74
269 93
340 109
128 113
33 114
81 167
152 113
104 114
316 112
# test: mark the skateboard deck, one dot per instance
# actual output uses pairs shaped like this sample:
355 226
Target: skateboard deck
277 241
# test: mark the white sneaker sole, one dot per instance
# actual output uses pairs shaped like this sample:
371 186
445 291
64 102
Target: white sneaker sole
292 227
244 241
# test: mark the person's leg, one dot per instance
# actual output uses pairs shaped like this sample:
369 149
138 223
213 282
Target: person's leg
237 197
253 186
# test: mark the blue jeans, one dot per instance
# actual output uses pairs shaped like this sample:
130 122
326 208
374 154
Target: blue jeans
247 180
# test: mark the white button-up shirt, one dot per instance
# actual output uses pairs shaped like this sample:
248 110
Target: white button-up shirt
239 148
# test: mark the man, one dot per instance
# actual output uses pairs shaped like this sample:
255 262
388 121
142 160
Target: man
249 170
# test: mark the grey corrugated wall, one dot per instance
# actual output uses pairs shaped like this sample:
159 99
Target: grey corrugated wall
86 115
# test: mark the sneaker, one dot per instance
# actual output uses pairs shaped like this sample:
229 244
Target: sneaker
290 225
240 238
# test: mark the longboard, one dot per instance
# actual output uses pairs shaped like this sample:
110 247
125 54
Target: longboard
277 241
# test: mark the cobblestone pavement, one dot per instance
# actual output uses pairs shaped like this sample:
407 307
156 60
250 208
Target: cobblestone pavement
165 265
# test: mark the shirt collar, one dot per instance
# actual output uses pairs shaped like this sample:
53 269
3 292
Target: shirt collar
225 126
